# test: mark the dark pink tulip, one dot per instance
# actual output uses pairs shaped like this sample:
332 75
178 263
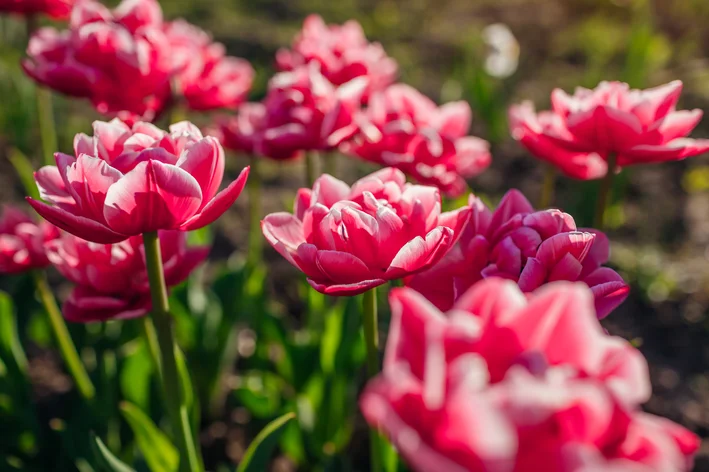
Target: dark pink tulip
582 130
404 129
57 9
111 279
529 247
125 181
206 77
22 241
508 382
118 59
350 239
342 52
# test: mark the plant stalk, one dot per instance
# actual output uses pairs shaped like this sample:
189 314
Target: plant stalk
312 166
547 196
371 340
255 235
604 193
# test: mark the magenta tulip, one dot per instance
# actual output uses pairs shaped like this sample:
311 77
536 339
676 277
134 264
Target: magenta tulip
119 60
22 242
584 130
350 239
342 52
57 9
111 279
206 77
127 181
404 129
505 382
531 248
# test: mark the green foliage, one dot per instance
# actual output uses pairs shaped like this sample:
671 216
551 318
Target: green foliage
260 450
157 450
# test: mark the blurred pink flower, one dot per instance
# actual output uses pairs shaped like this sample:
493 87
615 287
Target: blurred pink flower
404 129
111 279
127 181
505 382
342 52
118 59
22 241
57 9
206 77
350 239
582 130
529 247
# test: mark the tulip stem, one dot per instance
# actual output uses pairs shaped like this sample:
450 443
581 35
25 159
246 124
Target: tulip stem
165 328
151 341
312 165
255 235
45 110
61 333
547 196
330 164
604 193
371 340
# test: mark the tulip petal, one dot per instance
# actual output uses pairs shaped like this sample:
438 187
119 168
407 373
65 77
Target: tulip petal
419 253
576 243
679 124
608 288
533 275
204 160
219 204
186 263
52 188
86 306
342 267
347 290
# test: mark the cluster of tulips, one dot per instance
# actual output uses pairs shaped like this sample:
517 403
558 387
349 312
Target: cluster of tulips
494 360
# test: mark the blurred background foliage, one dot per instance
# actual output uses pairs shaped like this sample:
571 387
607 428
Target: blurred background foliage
258 343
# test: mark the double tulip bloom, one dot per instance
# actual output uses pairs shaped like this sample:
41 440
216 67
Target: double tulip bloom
302 111
205 76
342 53
348 240
57 9
583 131
118 59
111 279
505 382
125 181
404 129
23 242
529 247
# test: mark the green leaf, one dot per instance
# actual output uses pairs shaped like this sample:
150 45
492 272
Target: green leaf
105 460
259 451
135 377
9 339
25 170
159 453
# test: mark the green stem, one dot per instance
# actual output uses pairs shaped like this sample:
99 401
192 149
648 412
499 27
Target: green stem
255 236
165 328
151 341
312 165
547 196
371 340
45 110
330 164
61 333
604 193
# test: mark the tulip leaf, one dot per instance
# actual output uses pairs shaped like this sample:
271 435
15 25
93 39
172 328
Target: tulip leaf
159 453
25 170
105 460
260 450
9 338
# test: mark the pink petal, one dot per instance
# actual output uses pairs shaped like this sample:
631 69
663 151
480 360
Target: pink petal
342 268
327 190
568 268
347 290
86 306
679 124
218 205
204 160
89 180
609 290
555 248
453 120
675 150
419 253
533 275
52 188
187 262
150 197
284 232
605 128
513 203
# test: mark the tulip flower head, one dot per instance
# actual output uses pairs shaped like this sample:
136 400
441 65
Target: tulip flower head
342 53
120 59
112 280
22 241
350 239
505 382
582 131
529 247
57 9
125 181
404 129
206 77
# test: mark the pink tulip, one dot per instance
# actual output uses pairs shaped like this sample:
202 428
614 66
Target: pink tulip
342 52
531 248
127 181
583 130
119 60
505 382
22 242
404 129
348 240
57 9
206 77
111 279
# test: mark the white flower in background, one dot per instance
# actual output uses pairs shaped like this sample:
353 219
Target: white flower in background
503 55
